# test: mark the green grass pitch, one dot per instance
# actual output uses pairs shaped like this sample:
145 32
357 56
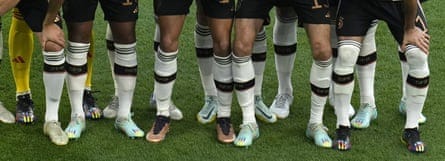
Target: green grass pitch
189 140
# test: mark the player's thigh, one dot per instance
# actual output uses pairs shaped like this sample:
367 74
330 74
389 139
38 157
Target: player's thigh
33 12
79 10
319 39
218 9
172 7
353 20
120 10
246 30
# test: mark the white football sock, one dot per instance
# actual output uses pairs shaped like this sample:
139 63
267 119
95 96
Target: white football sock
165 71
204 52
222 72
244 79
53 79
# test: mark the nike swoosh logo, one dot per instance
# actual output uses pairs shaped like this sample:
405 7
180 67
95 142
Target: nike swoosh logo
264 113
210 113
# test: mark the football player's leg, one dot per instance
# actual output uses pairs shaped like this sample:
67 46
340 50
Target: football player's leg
20 53
165 73
259 62
244 77
365 70
1 40
222 74
5 115
110 111
343 77
204 53
91 110
53 80
285 45
79 36
320 79
125 71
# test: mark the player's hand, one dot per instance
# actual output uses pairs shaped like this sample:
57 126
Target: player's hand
52 32
418 38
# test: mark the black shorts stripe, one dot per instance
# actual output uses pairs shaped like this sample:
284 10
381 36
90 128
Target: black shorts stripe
285 50
53 68
245 85
323 92
224 87
121 70
165 79
418 82
204 53
342 79
368 59
259 57
76 70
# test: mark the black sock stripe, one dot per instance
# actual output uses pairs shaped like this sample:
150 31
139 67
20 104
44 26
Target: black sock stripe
75 70
259 57
322 92
121 70
244 85
204 52
165 79
285 50
342 79
224 87
53 68
368 59
418 82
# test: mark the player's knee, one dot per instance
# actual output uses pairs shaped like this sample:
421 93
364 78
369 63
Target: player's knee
418 63
52 47
242 48
347 57
221 46
321 52
169 44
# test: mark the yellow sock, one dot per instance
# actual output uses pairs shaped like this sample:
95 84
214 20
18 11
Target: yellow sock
21 48
90 63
